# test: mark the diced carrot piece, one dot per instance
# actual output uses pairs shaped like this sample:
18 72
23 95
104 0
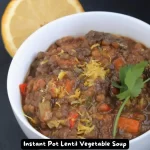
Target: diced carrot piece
75 115
69 85
129 125
104 107
73 118
23 88
118 63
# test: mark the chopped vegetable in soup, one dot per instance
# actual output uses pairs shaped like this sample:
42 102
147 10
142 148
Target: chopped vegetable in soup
94 86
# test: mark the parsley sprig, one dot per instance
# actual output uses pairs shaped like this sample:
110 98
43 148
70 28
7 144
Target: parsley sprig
130 87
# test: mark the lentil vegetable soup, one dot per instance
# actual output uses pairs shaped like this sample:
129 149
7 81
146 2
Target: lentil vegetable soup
94 86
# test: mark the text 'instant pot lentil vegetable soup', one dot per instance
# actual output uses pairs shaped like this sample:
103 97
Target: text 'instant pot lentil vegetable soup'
94 86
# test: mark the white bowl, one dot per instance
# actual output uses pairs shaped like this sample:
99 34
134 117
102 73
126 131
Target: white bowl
75 25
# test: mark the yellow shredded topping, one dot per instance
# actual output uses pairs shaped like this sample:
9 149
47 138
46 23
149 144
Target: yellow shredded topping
59 91
84 129
61 52
61 75
77 94
31 119
80 137
92 71
57 103
62 92
44 62
95 45
79 101
76 59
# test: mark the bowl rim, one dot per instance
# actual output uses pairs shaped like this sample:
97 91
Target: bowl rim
20 116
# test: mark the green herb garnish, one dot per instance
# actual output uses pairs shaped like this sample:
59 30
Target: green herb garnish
130 87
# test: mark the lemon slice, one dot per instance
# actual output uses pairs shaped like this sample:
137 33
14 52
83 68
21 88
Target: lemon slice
22 17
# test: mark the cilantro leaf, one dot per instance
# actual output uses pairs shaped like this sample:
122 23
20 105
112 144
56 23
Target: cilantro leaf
131 85
123 95
123 71
130 79
139 68
115 84
122 88
139 84
134 72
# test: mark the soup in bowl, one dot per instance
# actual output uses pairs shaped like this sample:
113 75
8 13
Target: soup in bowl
84 76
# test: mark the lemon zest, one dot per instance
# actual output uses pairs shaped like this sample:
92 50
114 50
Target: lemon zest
62 92
57 103
77 94
95 45
92 71
59 90
61 52
80 137
61 75
76 59
44 62
84 129
30 118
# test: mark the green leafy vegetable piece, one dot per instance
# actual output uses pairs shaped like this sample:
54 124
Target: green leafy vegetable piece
116 85
131 85
139 68
139 84
123 95
130 80
123 72
133 74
